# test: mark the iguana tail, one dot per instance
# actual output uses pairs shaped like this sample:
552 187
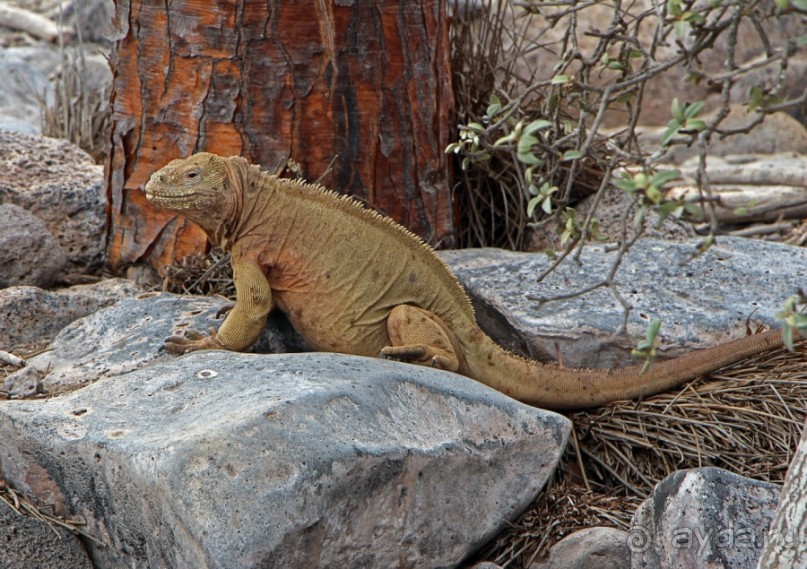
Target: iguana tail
553 387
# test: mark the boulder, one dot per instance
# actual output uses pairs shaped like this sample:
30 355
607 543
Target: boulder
700 299
589 548
226 460
29 254
29 314
705 518
61 185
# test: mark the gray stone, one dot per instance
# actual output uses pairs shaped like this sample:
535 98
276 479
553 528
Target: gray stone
29 314
92 19
26 543
22 89
129 336
702 301
704 518
25 382
62 186
588 548
226 460
29 254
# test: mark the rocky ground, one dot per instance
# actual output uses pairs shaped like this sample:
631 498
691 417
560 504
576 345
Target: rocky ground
135 457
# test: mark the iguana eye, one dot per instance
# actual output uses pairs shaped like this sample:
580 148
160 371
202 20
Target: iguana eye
192 175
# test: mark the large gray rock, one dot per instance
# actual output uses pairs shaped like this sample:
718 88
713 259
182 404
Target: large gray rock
62 186
29 314
704 518
702 301
226 460
29 254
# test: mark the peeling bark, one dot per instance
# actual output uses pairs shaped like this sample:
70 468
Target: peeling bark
366 81
786 547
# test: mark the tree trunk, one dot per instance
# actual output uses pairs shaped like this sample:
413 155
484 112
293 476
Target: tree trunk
362 85
787 538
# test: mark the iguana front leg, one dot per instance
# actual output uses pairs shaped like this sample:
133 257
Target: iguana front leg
419 337
244 322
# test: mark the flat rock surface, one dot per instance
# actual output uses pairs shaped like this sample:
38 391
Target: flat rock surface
129 335
702 301
226 460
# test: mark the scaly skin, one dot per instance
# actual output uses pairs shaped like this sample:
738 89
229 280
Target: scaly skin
355 282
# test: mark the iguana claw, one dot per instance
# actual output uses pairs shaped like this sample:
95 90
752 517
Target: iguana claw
193 341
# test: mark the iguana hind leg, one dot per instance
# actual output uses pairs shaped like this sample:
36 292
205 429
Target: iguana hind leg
420 337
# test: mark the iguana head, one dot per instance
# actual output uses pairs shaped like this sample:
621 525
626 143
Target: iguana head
195 187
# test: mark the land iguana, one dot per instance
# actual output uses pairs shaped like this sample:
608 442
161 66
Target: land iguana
355 282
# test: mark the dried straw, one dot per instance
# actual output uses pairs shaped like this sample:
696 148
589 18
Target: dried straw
204 274
746 419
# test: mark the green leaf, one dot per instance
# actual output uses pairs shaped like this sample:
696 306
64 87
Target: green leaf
537 125
781 4
800 5
560 79
530 159
532 204
663 176
653 194
626 184
694 124
526 142
652 330
493 109
677 111
693 109
704 245
505 139
669 134
787 337
572 155
681 28
546 205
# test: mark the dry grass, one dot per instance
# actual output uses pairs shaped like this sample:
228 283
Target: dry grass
746 419
561 509
78 112
205 274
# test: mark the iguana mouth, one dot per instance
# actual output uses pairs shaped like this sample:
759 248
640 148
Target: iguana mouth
167 196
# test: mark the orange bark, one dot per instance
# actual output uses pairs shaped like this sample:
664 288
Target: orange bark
365 81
